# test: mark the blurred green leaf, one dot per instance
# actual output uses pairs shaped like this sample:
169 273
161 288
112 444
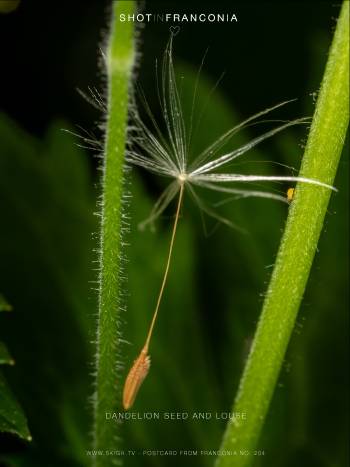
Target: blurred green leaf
4 306
12 418
46 255
7 6
5 357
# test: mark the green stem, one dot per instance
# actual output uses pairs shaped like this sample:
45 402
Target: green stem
119 62
296 253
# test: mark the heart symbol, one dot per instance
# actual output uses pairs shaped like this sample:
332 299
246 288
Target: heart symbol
174 30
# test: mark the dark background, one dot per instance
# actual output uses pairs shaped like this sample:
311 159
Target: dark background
48 191
49 51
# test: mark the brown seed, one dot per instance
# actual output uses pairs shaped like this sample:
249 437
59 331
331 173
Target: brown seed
137 374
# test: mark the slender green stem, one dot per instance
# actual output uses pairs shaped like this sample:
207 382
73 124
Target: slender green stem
296 253
119 62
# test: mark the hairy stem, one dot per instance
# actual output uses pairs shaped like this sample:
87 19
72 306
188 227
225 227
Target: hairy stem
296 253
119 62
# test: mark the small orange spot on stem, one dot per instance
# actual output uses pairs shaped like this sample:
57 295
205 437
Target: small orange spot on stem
290 194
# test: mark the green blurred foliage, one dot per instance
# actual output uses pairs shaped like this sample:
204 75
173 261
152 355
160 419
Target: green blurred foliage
8 6
47 221
12 418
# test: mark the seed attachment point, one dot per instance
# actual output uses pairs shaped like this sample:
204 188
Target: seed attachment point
182 177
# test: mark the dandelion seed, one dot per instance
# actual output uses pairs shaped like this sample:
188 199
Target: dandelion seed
141 365
167 155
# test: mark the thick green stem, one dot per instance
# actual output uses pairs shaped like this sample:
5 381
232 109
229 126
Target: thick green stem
296 253
119 62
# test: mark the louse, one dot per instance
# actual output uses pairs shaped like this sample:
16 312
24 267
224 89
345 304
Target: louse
290 194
